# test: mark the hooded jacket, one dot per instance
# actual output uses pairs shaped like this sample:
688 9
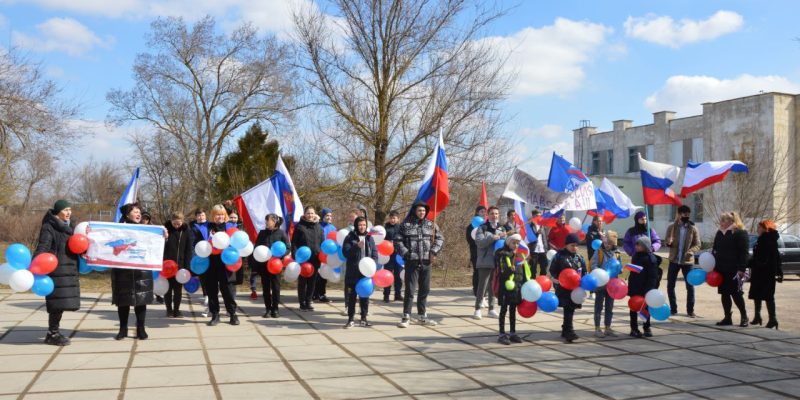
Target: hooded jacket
509 270
415 240
308 233
354 254
53 239
634 233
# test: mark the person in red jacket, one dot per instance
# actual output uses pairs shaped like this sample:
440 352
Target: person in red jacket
558 235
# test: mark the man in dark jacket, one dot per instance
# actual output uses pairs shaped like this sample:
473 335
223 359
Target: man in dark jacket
391 232
308 233
418 241
480 211
567 257
56 231
683 240
538 245
179 247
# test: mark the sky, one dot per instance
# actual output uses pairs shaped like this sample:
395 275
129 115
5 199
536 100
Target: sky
571 60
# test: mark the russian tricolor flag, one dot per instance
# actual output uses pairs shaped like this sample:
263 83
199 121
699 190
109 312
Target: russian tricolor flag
435 190
656 181
526 232
611 202
700 175
129 196
633 268
549 219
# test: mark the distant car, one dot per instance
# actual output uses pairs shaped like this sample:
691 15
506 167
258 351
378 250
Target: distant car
788 246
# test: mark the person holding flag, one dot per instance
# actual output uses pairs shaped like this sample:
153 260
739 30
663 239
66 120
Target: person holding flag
640 229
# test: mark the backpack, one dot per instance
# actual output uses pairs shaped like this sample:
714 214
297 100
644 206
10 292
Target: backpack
657 260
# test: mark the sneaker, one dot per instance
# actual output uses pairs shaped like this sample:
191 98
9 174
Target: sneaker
404 322
424 320
205 302
599 332
484 304
503 339
266 315
324 299
514 338
365 323
398 297
234 320
610 332
477 315
349 324
159 300
493 313
214 320
169 313
386 299
648 332
253 295
636 334
309 307
274 314
56 339
673 312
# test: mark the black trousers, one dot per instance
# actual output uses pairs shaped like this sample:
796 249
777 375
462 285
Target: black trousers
320 286
417 274
511 310
172 299
569 314
54 321
737 298
216 282
124 311
473 262
270 290
350 297
305 288
672 277
398 283
635 321
539 259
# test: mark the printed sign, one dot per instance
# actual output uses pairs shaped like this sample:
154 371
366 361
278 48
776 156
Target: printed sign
129 246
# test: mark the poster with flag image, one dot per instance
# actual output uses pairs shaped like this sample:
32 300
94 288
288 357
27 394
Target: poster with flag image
128 246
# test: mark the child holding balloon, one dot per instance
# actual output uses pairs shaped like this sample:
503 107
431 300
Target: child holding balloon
270 283
642 282
513 272
568 266
607 252
357 246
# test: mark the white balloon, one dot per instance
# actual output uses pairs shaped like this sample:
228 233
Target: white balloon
160 286
578 295
221 240
81 228
246 250
5 273
262 253
575 224
382 259
707 261
325 271
531 290
341 235
474 233
601 275
335 277
183 276
654 298
403 274
378 234
291 272
367 267
334 261
550 254
21 280
202 249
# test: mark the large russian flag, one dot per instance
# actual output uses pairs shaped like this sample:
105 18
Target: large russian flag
700 175
656 181
611 202
435 190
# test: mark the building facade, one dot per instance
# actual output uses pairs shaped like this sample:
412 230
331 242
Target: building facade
761 130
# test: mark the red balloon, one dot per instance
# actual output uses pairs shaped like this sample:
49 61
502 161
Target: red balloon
323 258
527 309
383 278
214 251
306 270
569 279
43 264
275 266
331 236
714 279
169 268
234 267
78 244
581 235
544 282
617 288
231 231
287 259
386 248
636 303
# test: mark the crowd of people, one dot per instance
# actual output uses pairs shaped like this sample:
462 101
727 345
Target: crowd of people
419 242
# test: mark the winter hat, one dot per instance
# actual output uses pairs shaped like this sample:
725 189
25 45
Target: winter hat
324 212
515 236
572 238
644 241
639 214
59 206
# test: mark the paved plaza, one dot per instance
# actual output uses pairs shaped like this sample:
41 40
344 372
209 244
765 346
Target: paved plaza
309 355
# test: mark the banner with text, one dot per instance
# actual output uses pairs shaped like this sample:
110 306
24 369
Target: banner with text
530 190
129 246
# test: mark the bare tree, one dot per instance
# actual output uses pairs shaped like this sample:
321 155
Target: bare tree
99 183
38 166
404 71
166 184
200 87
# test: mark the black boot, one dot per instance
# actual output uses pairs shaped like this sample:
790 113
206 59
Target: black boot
756 320
214 320
725 321
140 332
234 320
123 333
743 322
386 298
772 323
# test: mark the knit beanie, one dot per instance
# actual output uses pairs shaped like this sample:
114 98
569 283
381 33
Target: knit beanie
645 242
59 206
324 212
572 238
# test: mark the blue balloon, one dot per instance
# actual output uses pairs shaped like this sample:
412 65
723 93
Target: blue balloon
199 265
302 254
239 240
42 285
365 287
588 282
476 221
338 270
230 256
83 268
548 302
278 249
660 313
596 244
18 256
341 254
156 274
329 246
499 244
192 285
613 267
585 227
696 277
400 260
100 269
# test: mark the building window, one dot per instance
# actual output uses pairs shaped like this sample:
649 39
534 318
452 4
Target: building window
595 163
697 150
650 213
633 159
698 207
676 153
609 162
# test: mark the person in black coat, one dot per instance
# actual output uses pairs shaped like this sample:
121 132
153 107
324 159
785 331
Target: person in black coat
567 257
357 245
199 233
218 278
730 250
270 283
308 233
179 247
641 283
53 236
765 267
595 231
480 211
391 232
515 269
131 287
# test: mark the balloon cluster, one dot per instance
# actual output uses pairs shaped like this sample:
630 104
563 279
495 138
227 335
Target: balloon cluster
374 274
231 245
580 230
23 273
706 272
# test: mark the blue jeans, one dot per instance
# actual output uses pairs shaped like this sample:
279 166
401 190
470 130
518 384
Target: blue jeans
672 277
602 299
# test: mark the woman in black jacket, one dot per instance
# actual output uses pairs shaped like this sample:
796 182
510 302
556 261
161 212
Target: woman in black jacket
270 283
66 296
357 245
218 278
765 267
131 287
731 251
179 247
308 233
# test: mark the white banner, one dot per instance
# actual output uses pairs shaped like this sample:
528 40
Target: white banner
129 246
581 199
530 190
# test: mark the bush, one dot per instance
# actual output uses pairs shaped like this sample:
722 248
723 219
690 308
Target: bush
20 228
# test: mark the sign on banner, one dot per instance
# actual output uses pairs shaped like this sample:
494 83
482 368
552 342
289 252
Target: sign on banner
530 190
580 200
128 246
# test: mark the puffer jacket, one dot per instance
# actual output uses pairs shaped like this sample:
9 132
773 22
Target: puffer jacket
53 239
563 260
641 283
508 269
310 234
131 287
179 246
415 240
484 240
354 254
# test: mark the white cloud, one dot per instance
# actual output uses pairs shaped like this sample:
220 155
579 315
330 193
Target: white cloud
685 94
551 59
665 31
538 162
544 132
101 141
61 34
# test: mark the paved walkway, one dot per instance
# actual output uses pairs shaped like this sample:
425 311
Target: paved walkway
311 356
